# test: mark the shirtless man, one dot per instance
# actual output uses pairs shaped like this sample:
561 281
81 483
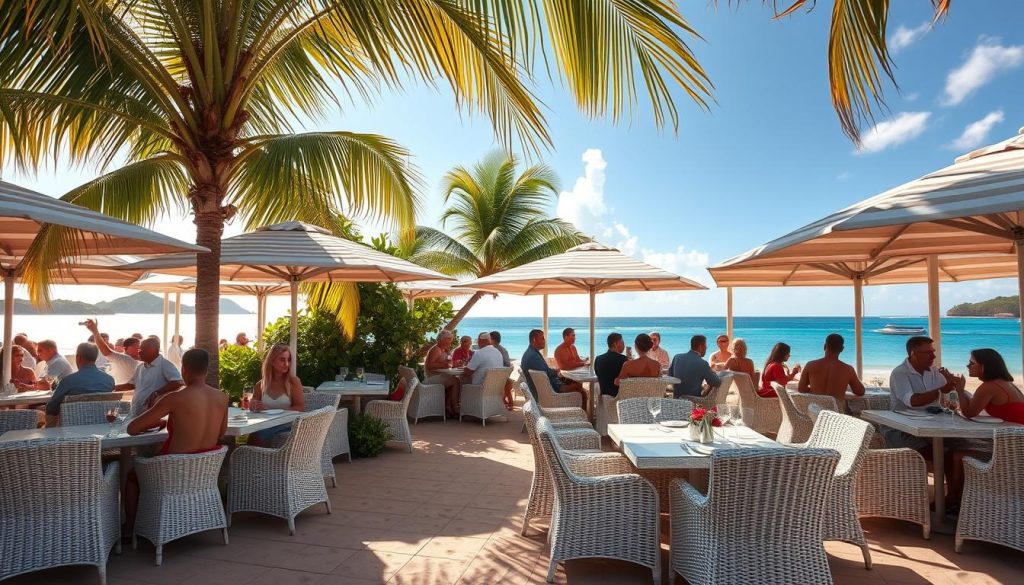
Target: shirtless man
566 355
437 359
829 375
197 417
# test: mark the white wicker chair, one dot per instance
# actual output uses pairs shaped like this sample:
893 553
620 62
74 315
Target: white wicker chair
764 415
601 508
761 520
18 420
796 426
992 509
58 506
803 402
715 396
850 437
94 397
893 483
368 377
555 414
634 411
607 413
178 496
429 398
282 482
547 396
86 413
487 399
396 414
542 495
336 442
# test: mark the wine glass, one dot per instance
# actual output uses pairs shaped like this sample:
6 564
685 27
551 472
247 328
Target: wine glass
359 373
724 413
123 409
740 414
654 407
944 400
111 418
953 402
343 373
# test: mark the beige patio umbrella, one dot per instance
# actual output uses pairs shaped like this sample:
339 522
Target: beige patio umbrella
295 252
589 268
24 212
167 284
431 289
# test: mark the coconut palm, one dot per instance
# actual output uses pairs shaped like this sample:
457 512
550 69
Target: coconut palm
494 220
199 98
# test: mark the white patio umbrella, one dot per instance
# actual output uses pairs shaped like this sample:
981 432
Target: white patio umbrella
590 268
295 252
431 289
24 212
167 284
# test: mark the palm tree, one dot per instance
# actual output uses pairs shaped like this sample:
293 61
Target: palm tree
199 98
494 220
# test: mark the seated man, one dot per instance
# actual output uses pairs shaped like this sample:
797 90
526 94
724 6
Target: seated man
56 367
87 380
658 353
915 385
829 375
155 377
692 370
463 353
608 365
197 416
506 362
533 360
437 359
486 358
122 364
566 355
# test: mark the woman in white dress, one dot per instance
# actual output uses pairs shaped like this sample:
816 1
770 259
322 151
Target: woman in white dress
277 389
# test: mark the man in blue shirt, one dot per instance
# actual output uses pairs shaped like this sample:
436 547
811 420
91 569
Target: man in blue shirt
692 370
533 360
87 380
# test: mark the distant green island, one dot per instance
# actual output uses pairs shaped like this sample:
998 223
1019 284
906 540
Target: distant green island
140 303
997 307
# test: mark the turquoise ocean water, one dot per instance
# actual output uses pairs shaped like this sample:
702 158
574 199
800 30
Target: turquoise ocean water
804 334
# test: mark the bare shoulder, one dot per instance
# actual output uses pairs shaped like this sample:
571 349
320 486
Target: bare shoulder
295 381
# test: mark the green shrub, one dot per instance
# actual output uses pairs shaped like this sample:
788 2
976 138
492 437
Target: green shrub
367 435
239 370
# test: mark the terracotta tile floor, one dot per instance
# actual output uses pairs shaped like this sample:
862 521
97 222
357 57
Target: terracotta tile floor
450 513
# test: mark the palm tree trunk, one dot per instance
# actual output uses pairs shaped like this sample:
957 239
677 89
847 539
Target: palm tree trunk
209 220
459 316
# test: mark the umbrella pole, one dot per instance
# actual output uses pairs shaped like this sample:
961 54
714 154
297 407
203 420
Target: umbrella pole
858 324
728 311
260 320
545 325
167 301
410 302
177 314
593 321
293 336
8 322
1017 245
934 325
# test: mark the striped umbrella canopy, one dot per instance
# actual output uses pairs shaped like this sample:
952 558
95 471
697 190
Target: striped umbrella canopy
961 222
167 284
23 213
431 289
295 252
589 268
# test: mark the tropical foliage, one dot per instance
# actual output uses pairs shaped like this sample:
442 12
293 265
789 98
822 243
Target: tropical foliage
494 219
198 98
385 332
367 435
239 370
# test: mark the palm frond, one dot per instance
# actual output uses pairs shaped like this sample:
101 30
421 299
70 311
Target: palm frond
359 173
340 298
438 251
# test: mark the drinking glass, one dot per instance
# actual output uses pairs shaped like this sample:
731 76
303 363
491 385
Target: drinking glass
123 410
953 402
112 418
944 400
654 407
724 413
343 372
359 373
740 414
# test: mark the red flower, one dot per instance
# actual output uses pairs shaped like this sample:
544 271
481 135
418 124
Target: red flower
716 422
697 414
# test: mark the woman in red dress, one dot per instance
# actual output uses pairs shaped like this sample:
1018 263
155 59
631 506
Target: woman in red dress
775 370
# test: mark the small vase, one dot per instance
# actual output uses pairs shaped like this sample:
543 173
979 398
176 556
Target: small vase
707 433
694 431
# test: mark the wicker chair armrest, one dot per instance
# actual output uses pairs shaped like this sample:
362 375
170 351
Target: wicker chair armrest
256 456
621 481
974 466
599 464
692 495
558 414
430 387
571 424
384 408
579 439
112 477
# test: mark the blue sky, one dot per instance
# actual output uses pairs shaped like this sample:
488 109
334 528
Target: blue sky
768 157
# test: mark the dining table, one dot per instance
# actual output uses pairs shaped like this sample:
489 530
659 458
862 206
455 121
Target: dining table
356 390
656 446
239 425
936 427
28 398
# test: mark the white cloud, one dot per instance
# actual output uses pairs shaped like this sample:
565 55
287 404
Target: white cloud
844 176
905 126
904 37
976 132
988 59
584 204
912 97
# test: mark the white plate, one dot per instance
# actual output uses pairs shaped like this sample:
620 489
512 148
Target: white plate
676 424
986 419
700 448
272 411
921 415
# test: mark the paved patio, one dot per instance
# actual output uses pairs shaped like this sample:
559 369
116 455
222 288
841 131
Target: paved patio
451 512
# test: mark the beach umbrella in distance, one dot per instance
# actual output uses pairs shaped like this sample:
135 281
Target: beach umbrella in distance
167 284
972 208
589 268
295 252
431 289
23 213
